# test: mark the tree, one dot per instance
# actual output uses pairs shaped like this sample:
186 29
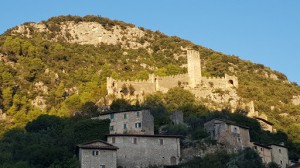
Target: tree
120 105
7 96
177 98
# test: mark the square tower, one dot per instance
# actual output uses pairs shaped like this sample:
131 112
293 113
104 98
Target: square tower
194 68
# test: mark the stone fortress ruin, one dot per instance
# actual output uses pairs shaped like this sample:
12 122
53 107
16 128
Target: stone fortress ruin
202 87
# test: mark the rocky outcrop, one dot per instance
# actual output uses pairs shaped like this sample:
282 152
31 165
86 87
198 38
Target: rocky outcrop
90 33
296 100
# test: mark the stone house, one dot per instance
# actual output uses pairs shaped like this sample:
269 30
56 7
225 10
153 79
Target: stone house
264 152
97 154
130 122
273 153
279 155
265 124
233 136
139 151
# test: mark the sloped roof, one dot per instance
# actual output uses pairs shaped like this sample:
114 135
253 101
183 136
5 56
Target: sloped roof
143 135
231 123
261 145
97 144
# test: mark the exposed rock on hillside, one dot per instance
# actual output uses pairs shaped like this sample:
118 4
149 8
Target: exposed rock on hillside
89 33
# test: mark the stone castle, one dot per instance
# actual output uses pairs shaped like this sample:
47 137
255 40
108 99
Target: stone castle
193 81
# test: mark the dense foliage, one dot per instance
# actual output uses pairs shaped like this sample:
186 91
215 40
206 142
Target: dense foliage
49 141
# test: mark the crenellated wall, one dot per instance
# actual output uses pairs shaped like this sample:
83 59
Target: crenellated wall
219 89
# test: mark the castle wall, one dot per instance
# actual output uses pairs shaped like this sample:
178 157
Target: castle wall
168 82
141 87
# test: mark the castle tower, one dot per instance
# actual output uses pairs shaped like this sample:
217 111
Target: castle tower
194 68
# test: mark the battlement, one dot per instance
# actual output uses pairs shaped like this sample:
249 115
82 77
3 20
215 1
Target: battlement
192 81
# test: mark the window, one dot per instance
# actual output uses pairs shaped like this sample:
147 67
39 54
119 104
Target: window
112 116
125 116
111 128
113 140
138 125
239 140
261 149
281 162
138 114
255 147
134 140
125 126
161 141
95 153
102 166
279 150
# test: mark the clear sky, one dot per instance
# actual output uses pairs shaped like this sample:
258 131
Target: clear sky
262 31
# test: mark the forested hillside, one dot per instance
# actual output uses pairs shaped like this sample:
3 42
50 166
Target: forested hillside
47 71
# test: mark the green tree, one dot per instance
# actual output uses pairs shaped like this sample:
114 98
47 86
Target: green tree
177 98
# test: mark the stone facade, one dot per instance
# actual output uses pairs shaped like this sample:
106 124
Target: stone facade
279 155
202 87
138 151
97 154
130 122
233 136
264 152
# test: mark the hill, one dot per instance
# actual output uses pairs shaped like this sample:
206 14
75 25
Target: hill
59 67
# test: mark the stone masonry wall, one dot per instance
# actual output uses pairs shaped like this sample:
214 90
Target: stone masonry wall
144 117
147 151
104 157
280 155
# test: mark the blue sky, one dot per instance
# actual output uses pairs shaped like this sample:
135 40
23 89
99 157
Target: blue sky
262 31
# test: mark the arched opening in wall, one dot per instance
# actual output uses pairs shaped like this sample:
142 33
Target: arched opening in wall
231 82
173 160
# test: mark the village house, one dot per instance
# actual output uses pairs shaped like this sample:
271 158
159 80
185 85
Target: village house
130 122
264 152
234 136
273 153
279 154
144 150
97 154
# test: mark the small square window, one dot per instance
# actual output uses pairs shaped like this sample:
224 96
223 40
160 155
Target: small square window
161 141
279 150
111 128
125 116
125 126
138 125
95 153
261 149
138 114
